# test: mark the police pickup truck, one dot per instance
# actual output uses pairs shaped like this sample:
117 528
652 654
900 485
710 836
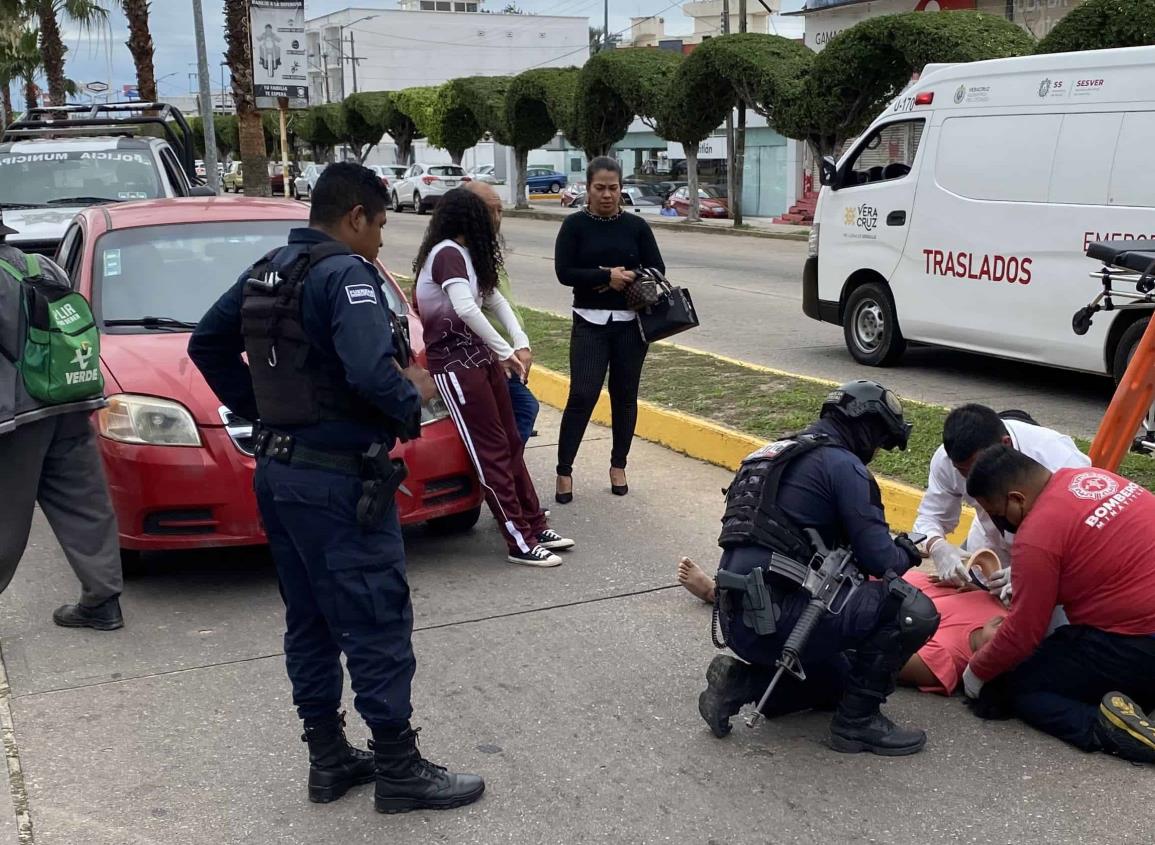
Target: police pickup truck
57 160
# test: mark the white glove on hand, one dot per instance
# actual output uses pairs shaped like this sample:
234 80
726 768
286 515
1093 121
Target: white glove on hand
1000 584
972 686
947 559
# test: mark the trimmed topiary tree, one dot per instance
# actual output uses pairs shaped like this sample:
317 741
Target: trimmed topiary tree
538 104
1102 24
613 87
379 109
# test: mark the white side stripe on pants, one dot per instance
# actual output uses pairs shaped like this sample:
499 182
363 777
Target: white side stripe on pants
447 394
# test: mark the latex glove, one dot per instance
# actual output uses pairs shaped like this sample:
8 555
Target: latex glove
1000 584
947 559
972 686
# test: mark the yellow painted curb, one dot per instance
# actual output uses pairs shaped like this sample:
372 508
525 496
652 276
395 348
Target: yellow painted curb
719 445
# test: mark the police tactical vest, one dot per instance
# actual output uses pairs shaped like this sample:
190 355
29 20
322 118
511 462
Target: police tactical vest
291 382
752 513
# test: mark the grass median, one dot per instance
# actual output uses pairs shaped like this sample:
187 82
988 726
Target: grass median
765 404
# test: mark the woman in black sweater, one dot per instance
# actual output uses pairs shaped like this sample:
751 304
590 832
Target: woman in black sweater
597 252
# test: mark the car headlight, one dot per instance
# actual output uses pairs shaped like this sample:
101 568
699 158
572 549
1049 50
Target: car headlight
434 410
812 241
147 420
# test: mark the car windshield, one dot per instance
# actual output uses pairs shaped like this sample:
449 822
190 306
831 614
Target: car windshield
48 177
179 271
446 170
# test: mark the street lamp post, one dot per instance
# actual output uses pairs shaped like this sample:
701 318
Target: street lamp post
352 57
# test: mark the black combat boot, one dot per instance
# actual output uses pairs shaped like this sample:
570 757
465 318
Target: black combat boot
334 764
101 617
730 683
858 723
407 781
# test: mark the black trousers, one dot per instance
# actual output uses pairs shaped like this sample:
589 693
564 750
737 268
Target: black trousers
617 347
1058 688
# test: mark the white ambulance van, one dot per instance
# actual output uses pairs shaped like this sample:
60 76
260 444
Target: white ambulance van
961 216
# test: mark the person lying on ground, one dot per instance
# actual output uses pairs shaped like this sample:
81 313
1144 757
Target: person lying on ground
969 618
968 430
1085 539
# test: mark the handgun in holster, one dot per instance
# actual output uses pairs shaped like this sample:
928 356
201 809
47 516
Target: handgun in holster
381 477
757 609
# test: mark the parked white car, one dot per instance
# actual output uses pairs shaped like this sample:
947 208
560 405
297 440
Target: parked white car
423 184
307 180
486 173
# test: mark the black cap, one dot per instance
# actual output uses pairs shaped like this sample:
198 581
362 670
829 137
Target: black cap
6 230
857 399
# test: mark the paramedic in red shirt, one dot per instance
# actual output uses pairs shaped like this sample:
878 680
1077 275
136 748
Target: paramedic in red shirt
1084 539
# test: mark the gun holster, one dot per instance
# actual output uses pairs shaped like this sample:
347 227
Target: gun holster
381 477
758 611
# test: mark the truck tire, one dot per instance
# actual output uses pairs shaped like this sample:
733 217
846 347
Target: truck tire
1126 348
455 523
870 326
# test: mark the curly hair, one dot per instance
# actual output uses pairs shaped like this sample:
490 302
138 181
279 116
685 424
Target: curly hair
462 214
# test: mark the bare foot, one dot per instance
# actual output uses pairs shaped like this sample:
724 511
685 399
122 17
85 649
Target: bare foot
694 578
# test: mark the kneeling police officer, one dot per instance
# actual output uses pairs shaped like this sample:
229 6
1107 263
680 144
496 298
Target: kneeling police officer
818 480
330 382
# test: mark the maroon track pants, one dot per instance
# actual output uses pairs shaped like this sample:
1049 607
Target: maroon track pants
478 401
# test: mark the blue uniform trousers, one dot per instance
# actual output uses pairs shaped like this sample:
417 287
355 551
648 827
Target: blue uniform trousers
525 408
823 660
344 589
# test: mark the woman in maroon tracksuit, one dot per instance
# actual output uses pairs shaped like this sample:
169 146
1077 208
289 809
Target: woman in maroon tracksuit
471 362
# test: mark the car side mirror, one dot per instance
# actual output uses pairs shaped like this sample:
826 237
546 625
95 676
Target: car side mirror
828 173
202 191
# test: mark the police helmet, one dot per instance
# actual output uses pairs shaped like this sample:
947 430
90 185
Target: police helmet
857 399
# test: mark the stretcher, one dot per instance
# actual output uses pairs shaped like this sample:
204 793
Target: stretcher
1128 284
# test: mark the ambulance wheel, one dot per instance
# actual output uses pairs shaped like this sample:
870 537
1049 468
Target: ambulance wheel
455 523
1128 343
870 326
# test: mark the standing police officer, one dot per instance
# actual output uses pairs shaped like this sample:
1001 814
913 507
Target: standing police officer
818 480
324 381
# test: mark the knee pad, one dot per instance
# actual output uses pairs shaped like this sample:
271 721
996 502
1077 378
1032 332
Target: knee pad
916 615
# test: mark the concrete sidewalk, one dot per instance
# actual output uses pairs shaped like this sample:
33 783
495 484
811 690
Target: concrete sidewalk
573 691
759 227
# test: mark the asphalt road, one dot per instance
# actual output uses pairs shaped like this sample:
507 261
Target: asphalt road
748 294
572 690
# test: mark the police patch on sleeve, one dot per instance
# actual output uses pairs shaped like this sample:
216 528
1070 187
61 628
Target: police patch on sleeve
361 293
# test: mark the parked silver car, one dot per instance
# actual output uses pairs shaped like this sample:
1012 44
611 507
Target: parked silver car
424 184
308 180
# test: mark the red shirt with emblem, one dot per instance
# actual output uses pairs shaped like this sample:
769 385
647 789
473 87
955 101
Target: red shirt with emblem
1088 544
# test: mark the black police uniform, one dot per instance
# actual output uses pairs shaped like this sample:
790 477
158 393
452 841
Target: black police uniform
326 388
819 482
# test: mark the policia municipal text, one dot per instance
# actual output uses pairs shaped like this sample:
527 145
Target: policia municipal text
793 499
330 381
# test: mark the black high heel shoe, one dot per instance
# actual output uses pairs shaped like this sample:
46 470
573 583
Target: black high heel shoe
564 498
618 489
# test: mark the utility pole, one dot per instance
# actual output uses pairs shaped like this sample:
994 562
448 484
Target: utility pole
606 25
353 58
729 120
206 100
325 75
739 139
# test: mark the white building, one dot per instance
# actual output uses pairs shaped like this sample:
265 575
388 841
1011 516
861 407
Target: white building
706 18
427 42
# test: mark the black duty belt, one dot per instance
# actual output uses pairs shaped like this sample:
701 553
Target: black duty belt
288 450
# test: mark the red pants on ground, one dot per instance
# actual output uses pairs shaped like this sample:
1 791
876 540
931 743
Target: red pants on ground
478 400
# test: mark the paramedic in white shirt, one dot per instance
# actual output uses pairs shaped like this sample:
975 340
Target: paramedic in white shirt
968 430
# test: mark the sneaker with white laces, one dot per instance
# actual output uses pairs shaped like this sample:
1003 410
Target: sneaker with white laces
537 556
550 539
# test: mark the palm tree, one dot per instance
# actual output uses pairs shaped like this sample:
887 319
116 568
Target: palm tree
19 60
89 14
249 129
140 45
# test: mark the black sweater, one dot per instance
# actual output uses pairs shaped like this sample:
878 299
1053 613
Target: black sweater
586 243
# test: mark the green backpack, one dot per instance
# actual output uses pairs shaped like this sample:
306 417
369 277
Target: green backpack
60 362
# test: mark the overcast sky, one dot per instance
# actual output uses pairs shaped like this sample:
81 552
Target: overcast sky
103 56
